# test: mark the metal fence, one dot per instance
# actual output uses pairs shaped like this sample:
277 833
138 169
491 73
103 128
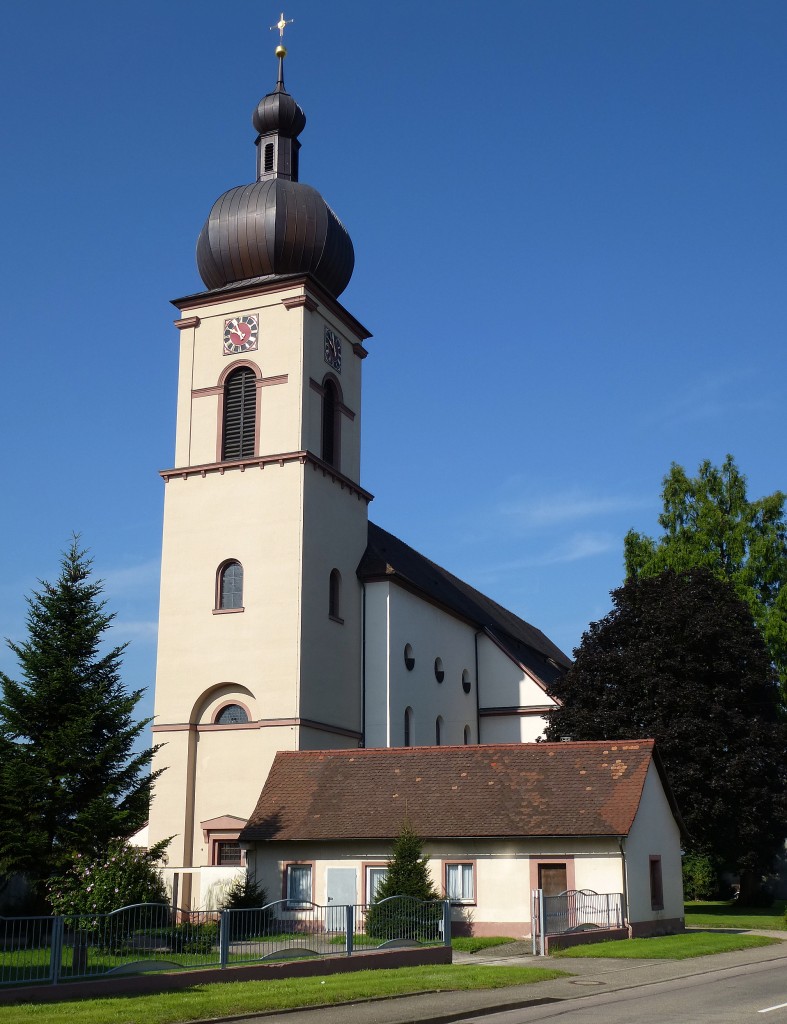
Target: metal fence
149 937
575 910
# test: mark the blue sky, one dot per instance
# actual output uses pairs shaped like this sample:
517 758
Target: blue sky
570 228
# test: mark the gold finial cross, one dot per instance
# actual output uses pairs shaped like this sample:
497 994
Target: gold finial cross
281 24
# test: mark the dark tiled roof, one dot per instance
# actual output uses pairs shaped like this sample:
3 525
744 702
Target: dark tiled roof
388 557
490 790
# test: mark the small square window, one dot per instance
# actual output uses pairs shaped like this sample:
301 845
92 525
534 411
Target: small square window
299 884
375 876
460 883
228 853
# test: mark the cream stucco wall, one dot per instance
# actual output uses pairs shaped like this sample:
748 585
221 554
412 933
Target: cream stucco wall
289 521
504 871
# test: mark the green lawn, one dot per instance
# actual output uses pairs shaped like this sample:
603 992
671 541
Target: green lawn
223 1000
668 947
730 915
470 944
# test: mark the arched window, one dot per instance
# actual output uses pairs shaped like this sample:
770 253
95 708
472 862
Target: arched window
230 588
335 594
466 684
330 423
240 415
408 727
409 658
232 714
467 734
438 731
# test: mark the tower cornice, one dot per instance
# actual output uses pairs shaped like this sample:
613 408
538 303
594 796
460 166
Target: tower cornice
262 286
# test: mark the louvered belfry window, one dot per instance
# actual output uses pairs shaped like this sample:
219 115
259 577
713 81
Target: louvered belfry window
240 413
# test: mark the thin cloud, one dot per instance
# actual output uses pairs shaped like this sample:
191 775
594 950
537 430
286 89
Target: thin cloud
709 398
567 507
132 579
576 548
126 629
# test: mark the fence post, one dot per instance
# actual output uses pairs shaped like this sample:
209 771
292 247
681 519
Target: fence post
224 938
55 949
543 920
446 922
349 927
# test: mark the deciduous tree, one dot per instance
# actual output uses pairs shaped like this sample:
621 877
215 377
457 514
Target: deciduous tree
709 521
679 659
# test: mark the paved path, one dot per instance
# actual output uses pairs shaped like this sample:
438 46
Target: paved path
587 976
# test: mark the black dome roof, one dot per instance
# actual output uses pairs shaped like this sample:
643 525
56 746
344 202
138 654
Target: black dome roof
278 112
274 227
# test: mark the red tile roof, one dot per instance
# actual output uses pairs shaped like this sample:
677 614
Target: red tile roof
489 790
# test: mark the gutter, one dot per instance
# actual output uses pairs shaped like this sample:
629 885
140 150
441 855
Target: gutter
622 846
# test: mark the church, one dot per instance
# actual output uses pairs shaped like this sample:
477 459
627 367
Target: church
288 620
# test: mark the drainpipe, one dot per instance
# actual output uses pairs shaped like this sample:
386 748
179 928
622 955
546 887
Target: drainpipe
363 666
622 845
477 688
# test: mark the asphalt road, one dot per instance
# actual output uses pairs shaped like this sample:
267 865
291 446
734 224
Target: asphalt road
755 993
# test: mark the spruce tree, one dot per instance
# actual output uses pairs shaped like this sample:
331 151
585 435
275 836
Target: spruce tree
70 778
398 910
408 870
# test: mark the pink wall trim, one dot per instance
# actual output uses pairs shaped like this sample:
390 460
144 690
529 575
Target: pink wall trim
660 926
225 704
300 301
261 461
571 879
520 712
262 723
583 938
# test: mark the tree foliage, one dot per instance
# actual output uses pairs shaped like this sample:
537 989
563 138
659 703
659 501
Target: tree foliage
679 660
70 779
408 870
121 877
405 904
709 521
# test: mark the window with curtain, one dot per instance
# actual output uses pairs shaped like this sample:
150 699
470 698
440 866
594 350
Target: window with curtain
459 883
299 883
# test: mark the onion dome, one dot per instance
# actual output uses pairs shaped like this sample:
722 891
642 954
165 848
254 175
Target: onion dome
278 112
276 226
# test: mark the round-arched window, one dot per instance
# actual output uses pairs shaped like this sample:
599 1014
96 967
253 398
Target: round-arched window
466 681
409 658
439 671
232 714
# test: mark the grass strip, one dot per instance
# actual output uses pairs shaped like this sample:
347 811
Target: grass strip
226 999
718 914
668 947
471 944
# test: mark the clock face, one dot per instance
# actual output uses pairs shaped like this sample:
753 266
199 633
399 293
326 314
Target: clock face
240 334
333 349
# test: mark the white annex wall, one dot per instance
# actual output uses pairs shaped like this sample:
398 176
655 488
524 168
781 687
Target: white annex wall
654 833
395 618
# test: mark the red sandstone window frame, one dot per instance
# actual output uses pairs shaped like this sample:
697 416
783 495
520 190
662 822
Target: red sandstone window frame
656 882
285 884
463 901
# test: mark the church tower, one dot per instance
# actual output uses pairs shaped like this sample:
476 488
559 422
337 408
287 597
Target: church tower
265 520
